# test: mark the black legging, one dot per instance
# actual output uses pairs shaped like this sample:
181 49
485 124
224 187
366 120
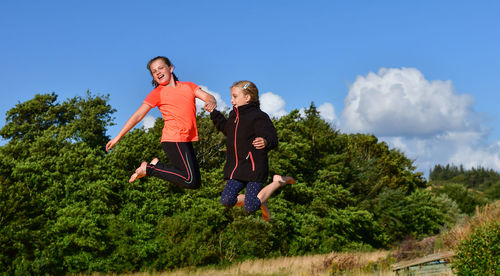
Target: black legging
185 171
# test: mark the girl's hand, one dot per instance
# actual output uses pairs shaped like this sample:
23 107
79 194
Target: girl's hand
210 106
210 102
111 143
259 143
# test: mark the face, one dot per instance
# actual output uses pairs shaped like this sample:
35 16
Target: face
238 98
161 72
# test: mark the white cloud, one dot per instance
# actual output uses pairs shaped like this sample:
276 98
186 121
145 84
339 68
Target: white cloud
427 120
221 105
401 102
487 157
272 104
327 112
148 122
469 149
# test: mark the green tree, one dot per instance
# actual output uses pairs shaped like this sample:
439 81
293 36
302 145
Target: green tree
67 206
373 166
79 119
53 200
415 215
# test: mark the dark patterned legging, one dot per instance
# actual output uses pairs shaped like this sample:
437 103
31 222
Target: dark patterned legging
185 171
230 193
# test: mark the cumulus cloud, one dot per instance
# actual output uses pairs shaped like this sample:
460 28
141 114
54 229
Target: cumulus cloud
427 120
148 122
272 104
467 148
401 102
487 157
327 112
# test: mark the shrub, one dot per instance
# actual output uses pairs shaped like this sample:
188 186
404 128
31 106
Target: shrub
479 254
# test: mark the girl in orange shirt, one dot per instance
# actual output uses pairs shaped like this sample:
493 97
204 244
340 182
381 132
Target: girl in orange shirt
176 101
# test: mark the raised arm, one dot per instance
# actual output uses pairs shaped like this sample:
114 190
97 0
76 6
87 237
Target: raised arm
131 122
210 103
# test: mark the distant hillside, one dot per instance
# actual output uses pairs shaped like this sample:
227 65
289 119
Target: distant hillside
467 187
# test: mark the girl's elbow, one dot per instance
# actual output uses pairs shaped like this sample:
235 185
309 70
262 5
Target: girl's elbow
273 144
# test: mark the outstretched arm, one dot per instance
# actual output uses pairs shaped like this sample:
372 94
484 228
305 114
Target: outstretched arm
219 120
131 122
210 103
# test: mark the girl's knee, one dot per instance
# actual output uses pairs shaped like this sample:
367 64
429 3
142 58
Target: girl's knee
192 186
196 185
252 204
228 201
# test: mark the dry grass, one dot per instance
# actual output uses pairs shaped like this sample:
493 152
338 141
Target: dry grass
316 265
483 215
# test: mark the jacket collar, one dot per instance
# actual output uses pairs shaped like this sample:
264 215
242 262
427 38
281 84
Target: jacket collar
248 106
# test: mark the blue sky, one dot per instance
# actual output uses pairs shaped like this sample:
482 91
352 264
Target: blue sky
421 75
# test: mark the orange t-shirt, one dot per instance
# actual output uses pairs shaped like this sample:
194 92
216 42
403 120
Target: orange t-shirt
178 108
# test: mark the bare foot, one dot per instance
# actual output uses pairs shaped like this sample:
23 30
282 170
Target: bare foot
266 215
283 180
139 173
154 161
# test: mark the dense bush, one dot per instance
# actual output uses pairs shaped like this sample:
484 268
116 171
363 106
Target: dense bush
466 199
479 254
419 214
66 204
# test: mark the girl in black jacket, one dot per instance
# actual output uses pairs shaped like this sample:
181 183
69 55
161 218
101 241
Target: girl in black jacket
250 135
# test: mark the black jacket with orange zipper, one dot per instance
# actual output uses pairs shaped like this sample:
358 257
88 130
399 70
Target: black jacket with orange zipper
243 161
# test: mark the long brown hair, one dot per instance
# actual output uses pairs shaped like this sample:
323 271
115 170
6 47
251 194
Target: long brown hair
167 62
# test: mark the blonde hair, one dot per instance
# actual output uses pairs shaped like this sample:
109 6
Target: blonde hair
248 88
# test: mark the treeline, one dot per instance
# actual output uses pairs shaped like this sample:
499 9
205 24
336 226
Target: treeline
66 204
478 178
467 187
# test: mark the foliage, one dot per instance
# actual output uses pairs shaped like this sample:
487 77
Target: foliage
470 188
479 254
467 199
479 179
416 215
483 215
66 204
